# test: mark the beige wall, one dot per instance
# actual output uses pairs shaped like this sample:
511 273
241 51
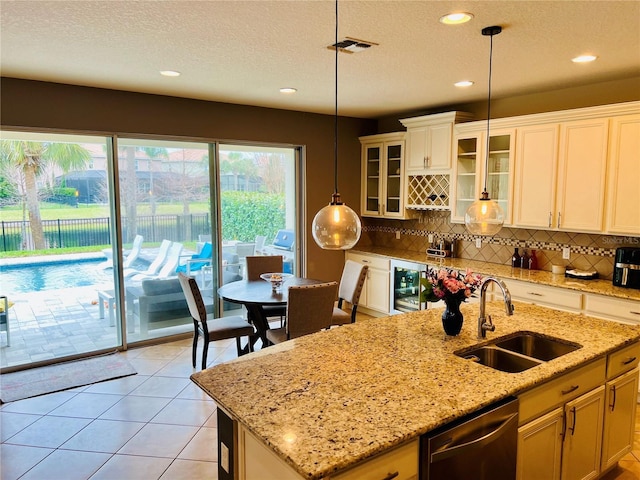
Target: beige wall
44 105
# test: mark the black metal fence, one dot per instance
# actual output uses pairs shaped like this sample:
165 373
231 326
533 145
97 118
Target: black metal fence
85 232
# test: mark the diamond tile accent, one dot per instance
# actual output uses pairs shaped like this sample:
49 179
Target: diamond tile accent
588 251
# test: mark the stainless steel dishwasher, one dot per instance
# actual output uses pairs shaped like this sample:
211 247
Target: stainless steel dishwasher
481 446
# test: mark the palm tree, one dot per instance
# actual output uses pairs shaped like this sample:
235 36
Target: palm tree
31 158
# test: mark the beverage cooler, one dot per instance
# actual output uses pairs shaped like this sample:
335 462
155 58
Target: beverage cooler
405 287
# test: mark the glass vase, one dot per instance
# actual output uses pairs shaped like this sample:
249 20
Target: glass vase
452 317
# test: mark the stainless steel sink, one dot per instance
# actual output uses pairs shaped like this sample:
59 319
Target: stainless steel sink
499 359
518 352
537 346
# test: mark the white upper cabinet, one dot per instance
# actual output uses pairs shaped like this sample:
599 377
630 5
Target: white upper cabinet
560 176
471 166
383 176
623 198
429 141
582 175
535 175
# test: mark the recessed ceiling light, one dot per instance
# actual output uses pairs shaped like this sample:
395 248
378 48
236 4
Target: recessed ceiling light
169 73
456 18
463 83
288 90
584 59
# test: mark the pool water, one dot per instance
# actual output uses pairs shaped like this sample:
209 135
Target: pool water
52 276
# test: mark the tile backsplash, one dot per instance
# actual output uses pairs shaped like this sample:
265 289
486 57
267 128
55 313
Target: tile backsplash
588 251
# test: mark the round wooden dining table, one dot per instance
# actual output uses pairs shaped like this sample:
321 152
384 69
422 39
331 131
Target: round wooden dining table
256 294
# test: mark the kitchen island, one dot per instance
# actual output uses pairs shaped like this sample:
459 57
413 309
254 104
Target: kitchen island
326 402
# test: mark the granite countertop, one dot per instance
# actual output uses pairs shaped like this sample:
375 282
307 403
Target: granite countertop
325 402
601 287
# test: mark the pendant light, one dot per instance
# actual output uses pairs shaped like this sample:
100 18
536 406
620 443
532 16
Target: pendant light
336 226
485 216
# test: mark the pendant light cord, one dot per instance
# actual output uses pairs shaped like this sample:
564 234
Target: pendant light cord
486 162
335 120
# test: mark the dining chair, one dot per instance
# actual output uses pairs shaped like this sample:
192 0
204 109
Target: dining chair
259 264
351 283
309 310
211 329
256 266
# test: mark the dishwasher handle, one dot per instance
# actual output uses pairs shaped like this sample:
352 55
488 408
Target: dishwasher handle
479 442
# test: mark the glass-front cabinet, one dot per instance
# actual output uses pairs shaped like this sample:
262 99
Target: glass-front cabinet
383 171
469 171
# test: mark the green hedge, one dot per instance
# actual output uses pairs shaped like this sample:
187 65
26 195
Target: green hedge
247 214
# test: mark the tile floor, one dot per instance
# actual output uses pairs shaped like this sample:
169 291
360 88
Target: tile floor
156 424
153 425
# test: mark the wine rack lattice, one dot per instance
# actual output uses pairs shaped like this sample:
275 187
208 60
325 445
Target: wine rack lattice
428 192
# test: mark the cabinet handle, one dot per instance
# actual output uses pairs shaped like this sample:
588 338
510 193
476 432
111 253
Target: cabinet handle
366 261
535 294
559 217
612 405
573 427
572 388
629 360
549 219
634 313
391 475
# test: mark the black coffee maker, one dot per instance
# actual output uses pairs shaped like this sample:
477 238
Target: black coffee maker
626 267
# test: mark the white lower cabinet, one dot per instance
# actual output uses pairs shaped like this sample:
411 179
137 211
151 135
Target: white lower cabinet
399 464
609 308
582 443
565 443
619 418
375 292
578 425
257 462
553 297
540 447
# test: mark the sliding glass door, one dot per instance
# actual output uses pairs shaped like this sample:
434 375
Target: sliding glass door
95 229
258 207
164 193
56 269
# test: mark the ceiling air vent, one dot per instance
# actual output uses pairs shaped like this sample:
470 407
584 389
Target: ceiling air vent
351 45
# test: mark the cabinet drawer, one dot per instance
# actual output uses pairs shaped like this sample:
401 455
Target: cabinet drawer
558 298
403 461
371 260
612 308
623 360
556 392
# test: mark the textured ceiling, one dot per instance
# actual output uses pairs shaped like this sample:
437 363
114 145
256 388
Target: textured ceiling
244 51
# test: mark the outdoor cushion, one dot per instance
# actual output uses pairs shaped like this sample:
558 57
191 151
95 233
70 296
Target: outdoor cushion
161 287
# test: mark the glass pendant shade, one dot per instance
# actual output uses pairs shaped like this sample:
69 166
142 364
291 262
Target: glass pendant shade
484 216
336 226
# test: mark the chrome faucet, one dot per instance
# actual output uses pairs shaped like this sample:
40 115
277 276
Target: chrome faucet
485 323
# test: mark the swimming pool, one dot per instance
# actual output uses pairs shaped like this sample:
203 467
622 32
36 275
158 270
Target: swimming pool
51 276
